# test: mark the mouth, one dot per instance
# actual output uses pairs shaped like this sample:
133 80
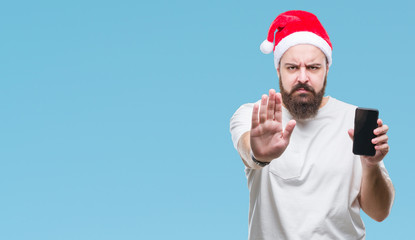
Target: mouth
302 90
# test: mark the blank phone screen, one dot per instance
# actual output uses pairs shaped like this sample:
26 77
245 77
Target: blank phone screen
364 124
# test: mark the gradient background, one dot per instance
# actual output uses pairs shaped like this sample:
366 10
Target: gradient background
115 114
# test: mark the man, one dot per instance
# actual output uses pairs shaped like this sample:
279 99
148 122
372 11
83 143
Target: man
304 180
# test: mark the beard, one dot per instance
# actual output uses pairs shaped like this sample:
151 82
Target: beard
303 105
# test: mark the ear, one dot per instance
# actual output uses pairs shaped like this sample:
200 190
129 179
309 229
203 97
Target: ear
327 66
278 72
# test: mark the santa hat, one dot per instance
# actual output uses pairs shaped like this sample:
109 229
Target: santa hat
293 28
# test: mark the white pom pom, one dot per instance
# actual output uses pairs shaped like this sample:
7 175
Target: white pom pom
266 47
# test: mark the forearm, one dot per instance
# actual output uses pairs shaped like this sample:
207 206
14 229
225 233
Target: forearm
244 149
377 192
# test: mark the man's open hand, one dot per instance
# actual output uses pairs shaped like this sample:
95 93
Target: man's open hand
268 140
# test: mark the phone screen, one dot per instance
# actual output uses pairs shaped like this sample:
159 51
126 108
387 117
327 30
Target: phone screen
364 123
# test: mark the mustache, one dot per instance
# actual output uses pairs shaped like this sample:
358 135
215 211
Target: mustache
303 86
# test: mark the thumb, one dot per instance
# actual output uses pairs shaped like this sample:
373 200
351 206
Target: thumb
351 133
289 130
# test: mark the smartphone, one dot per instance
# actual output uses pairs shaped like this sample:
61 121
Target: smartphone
365 121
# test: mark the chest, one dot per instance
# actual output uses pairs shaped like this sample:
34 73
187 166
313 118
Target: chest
321 150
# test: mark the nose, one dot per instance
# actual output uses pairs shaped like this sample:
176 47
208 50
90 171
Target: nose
302 75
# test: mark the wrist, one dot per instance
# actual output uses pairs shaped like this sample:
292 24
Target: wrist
258 162
370 169
366 163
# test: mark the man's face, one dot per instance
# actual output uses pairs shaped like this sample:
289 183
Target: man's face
303 72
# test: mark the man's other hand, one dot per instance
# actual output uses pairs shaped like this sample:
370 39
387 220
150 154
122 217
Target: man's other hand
381 144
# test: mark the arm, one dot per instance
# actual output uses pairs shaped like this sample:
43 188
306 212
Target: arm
244 149
377 192
266 140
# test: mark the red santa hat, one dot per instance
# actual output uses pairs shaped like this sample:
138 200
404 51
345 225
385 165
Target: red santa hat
293 28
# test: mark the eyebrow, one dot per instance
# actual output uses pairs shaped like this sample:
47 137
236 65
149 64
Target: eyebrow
307 65
314 65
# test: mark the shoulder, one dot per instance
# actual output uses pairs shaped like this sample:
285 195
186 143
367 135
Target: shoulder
341 104
339 112
240 122
337 105
243 111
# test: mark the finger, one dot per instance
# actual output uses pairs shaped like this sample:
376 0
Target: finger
383 129
278 107
380 122
255 121
380 139
263 109
289 130
271 104
384 148
351 133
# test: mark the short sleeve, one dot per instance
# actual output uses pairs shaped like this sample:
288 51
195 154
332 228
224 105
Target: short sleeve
241 122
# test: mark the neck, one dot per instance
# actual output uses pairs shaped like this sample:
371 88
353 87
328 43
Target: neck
324 102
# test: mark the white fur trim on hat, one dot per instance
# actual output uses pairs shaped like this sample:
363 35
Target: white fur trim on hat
301 38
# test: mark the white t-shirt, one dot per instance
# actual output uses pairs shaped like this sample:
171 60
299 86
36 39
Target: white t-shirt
311 190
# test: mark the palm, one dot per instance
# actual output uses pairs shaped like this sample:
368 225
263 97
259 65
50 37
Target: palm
268 140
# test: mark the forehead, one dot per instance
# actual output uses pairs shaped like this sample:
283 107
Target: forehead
303 53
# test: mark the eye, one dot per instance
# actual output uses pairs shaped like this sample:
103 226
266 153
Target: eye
313 67
291 67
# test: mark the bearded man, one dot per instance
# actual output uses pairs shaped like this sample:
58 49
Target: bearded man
304 181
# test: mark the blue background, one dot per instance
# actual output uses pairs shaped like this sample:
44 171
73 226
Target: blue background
115 114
